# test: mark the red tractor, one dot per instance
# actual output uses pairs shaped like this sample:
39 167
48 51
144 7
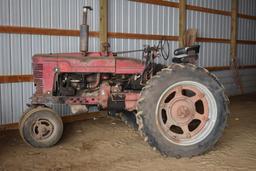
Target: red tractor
180 109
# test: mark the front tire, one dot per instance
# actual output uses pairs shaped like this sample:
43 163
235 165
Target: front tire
182 111
41 127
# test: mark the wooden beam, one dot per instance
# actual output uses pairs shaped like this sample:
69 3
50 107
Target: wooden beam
208 10
63 32
65 119
217 68
182 21
193 8
15 78
43 31
142 36
159 2
103 25
250 17
222 68
248 42
215 40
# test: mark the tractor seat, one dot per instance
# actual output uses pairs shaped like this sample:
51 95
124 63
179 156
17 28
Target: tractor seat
186 54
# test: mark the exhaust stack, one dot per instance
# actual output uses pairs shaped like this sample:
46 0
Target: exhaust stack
84 31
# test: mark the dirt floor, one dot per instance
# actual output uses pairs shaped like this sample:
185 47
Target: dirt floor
108 144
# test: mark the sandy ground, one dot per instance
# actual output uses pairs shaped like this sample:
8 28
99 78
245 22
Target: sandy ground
108 144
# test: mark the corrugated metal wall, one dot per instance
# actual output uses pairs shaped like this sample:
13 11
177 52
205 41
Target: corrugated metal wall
16 50
124 16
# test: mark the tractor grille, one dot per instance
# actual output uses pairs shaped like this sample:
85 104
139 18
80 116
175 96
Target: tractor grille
38 77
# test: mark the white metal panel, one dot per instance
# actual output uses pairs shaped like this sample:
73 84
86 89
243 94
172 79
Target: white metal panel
246 54
132 17
214 54
5 12
6 104
5 54
213 4
247 7
247 77
246 29
65 14
209 25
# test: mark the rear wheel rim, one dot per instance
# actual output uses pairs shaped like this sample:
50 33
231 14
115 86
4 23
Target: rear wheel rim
186 113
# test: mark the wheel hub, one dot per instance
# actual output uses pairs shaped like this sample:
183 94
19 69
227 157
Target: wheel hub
181 111
42 129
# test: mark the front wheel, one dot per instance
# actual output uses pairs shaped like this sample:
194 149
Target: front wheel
41 127
182 111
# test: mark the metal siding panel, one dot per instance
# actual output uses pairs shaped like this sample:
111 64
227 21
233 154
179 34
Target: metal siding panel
26 46
25 13
132 17
15 55
73 20
35 13
46 44
15 17
6 103
247 77
55 44
4 12
55 13
17 102
246 54
46 13
5 55
214 54
209 25
36 45
214 4
247 7
246 29
27 89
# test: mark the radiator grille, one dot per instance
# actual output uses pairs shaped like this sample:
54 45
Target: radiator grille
38 77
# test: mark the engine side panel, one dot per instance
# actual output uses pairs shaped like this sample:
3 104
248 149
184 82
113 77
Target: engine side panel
50 64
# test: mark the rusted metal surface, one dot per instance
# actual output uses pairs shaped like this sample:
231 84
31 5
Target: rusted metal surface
76 62
131 101
42 129
178 111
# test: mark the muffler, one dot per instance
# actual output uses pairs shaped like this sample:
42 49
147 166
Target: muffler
84 31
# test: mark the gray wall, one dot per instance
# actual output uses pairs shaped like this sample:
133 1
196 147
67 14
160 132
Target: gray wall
124 16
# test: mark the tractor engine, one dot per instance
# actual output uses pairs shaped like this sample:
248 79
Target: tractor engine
76 84
112 91
107 91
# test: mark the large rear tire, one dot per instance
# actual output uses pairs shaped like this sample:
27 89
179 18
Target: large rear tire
182 111
41 127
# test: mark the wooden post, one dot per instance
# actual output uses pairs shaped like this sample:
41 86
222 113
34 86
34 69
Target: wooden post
182 21
234 30
103 35
233 45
